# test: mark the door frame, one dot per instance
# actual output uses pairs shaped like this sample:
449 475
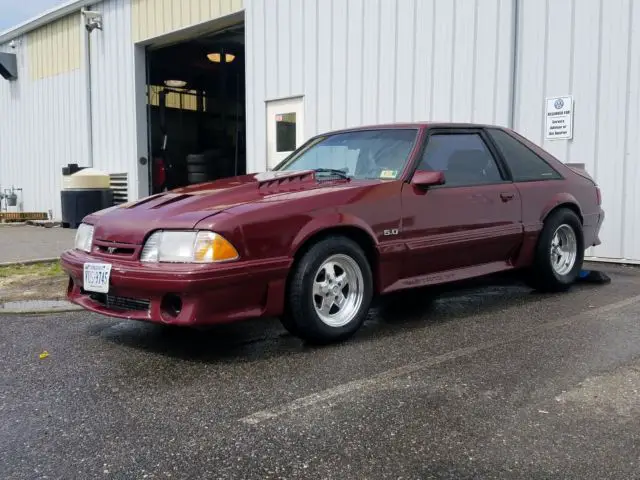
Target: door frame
507 182
142 182
141 185
486 138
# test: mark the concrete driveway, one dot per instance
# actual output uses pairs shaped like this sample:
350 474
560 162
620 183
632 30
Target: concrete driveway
492 382
24 243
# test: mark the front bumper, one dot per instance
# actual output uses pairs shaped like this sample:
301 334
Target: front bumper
208 294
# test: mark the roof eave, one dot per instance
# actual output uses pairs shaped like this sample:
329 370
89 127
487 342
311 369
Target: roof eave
44 18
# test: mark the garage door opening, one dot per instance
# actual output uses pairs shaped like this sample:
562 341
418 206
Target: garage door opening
196 110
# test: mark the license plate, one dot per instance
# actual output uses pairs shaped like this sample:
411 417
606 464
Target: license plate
96 277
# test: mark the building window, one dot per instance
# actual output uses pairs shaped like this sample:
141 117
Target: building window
178 98
285 132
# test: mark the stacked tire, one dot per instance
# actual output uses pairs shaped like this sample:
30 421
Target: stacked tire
200 167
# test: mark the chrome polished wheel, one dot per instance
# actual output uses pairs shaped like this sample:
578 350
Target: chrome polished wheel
564 250
338 290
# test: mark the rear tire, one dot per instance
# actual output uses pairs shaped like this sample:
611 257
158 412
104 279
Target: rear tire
559 253
330 291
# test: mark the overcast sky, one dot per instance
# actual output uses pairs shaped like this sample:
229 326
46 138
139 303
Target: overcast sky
13 12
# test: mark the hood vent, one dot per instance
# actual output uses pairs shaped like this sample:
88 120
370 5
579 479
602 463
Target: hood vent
167 199
290 183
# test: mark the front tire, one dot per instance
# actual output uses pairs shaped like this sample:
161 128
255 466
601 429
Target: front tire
559 253
330 291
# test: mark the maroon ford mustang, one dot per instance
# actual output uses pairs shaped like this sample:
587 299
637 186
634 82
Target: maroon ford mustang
349 215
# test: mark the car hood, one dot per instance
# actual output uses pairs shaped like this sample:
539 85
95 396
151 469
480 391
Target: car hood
186 207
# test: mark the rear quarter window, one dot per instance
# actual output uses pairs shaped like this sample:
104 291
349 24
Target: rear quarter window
525 165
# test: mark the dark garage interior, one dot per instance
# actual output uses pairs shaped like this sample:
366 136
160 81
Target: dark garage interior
196 114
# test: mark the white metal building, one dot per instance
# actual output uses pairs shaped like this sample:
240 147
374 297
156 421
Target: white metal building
81 97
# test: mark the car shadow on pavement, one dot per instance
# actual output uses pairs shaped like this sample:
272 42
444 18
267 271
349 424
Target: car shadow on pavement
239 342
261 339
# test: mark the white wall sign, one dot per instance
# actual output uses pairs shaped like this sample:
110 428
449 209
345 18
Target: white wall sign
559 118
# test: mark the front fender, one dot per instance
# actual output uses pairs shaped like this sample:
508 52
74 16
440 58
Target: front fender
330 221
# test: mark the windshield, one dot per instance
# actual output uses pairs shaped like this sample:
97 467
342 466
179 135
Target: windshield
365 154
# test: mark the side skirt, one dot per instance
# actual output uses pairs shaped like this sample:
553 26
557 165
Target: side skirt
450 276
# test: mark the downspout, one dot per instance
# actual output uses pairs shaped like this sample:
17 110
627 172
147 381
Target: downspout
86 45
515 45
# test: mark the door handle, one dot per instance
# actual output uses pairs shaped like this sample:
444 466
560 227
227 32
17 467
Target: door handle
506 197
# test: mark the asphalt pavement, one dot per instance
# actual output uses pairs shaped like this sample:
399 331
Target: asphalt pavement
492 381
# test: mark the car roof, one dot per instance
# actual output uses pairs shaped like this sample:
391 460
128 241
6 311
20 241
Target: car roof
416 125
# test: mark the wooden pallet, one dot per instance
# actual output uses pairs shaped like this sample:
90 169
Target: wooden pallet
13 217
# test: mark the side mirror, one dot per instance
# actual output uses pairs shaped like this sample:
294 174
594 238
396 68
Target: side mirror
423 178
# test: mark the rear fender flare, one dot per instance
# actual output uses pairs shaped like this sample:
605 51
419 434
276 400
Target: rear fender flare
560 200
532 232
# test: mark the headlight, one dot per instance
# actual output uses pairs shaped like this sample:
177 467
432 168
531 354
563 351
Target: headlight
84 237
187 247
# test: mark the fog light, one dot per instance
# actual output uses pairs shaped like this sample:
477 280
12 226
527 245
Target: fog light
171 305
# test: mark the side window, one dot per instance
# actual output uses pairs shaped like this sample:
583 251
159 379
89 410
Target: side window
463 157
524 164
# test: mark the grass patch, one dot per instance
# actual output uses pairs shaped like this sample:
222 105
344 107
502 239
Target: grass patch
50 269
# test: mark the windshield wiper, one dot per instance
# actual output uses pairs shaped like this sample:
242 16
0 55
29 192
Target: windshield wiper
333 171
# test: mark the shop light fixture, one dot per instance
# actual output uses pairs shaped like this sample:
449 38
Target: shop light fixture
217 57
175 83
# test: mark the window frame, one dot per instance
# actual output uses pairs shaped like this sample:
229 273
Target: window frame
505 173
488 130
407 171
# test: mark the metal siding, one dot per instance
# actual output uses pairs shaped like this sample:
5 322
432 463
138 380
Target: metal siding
271 75
422 91
486 103
55 48
325 59
255 93
355 80
152 18
361 62
370 57
591 50
385 60
309 37
339 67
631 169
403 104
464 59
503 79
296 57
113 94
41 130
444 27
283 64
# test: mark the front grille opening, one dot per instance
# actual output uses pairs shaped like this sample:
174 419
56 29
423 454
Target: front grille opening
115 250
115 302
